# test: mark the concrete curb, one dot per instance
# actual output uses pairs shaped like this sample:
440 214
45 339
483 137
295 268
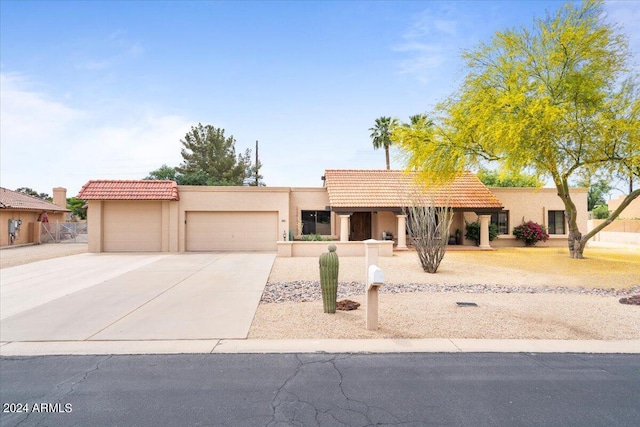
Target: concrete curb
213 346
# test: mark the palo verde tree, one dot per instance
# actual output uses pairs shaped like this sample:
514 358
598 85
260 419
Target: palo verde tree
556 99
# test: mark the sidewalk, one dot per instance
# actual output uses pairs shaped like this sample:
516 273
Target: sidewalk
437 345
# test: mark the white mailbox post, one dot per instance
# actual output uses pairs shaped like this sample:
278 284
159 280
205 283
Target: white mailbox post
374 281
371 250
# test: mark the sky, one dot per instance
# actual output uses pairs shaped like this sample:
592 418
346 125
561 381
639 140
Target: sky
107 89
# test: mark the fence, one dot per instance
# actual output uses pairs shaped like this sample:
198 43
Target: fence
63 232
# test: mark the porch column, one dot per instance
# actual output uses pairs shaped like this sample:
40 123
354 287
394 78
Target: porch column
402 232
484 231
344 228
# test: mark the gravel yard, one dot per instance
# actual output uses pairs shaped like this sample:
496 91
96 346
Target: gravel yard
12 256
536 293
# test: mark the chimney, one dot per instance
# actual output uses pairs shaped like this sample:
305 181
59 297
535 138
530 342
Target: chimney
60 197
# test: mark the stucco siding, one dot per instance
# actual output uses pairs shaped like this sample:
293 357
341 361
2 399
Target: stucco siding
632 211
534 204
28 229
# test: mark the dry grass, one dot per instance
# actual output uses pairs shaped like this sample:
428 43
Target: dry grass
601 268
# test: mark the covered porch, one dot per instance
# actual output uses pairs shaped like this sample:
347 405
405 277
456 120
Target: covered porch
391 225
369 204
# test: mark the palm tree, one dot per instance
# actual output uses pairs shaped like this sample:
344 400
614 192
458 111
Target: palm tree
381 135
419 120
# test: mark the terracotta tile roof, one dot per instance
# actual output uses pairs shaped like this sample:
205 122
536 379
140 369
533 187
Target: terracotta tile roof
393 188
129 190
10 199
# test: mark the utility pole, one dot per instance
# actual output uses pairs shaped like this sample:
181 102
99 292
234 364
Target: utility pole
257 180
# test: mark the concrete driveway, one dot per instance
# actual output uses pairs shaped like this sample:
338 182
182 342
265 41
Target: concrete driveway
122 297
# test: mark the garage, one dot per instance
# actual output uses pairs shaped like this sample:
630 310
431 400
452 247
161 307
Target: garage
231 231
132 226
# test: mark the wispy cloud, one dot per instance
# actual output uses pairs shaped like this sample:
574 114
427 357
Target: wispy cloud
431 42
626 14
109 51
46 142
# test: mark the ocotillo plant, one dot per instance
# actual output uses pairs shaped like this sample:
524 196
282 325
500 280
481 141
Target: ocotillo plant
329 266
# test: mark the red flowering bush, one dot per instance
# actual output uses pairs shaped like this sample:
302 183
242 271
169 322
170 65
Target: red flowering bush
531 233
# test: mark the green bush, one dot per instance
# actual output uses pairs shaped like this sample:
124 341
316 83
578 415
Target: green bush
473 231
314 238
600 212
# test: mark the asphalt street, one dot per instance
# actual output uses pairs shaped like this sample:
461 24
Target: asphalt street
471 389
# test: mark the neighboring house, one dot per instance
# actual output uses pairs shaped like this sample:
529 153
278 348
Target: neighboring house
625 229
353 205
632 211
21 215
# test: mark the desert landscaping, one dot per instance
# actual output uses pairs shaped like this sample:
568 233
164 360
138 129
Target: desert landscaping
521 293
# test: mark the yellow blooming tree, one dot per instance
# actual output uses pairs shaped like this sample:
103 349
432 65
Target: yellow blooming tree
556 100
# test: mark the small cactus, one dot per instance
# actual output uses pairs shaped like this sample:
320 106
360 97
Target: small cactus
329 266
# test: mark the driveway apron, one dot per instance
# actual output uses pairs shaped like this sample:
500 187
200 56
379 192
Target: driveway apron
166 297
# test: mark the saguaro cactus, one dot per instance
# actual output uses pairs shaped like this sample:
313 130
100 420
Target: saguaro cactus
329 266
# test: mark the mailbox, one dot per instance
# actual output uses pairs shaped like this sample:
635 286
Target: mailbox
376 276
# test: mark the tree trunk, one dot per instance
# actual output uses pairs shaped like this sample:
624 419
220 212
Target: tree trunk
576 245
386 153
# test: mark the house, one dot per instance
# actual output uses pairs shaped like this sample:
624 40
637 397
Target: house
625 229
21 215
353 205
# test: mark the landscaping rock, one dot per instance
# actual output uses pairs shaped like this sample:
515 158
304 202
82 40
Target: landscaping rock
632 300
305 291
347 305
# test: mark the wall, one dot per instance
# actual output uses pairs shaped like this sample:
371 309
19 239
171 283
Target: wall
29 228
630 212
384 221
533 204
315 249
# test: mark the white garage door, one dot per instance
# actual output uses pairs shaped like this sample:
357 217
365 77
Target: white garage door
232 231
132 226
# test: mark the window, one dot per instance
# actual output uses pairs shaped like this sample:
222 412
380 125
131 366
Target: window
501 219
316 222
556 222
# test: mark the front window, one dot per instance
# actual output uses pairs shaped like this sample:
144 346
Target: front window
501 220
316 222
556 222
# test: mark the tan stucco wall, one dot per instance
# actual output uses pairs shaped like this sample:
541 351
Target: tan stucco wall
383 221
313 198
533 204
229 199
315 249
169 221
94 225
29 227
632 211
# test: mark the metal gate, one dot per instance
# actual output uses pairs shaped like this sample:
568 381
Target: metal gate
63 232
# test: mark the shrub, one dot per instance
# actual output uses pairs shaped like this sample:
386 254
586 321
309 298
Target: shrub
530 232
473 231
314 238
600 212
